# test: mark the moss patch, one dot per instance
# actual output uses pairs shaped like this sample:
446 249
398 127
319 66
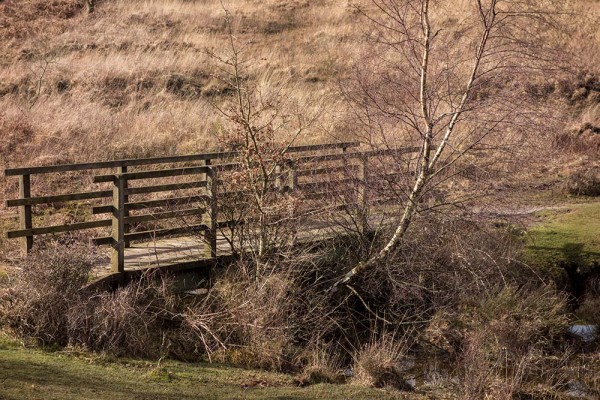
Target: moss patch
568 237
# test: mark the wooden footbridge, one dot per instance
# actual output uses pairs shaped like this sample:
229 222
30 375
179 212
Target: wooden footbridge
168 211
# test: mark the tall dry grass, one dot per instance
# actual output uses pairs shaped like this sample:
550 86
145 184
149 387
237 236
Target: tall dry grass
106 84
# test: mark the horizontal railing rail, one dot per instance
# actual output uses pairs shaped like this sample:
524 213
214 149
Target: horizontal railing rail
132 162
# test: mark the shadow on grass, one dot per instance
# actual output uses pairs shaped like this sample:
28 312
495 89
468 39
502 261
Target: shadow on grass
578 264
39 378
25 375
571 252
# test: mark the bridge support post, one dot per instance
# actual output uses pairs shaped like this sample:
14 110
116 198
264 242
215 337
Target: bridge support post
210 235
123 170
292 177
25 221
118 225
278 181
362 194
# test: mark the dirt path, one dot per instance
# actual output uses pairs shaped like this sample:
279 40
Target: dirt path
524 214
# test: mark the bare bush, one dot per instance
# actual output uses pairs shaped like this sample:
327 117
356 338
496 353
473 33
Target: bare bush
584 183
473 121
135 320
277 319
447 264
46 286
200 332
46 304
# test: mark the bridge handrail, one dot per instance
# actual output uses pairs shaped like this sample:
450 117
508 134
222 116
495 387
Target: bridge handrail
161 160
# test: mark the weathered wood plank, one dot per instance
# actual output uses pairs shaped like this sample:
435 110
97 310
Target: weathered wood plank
152 234
390 152
25 221
58 198
325 170
158 173
210 234
141 205
102 210
58 228
164 215
372 153
165 188
123 170
362 199
172 201
117 163
325 146
117 261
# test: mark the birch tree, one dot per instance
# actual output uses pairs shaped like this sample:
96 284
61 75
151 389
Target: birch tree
448 77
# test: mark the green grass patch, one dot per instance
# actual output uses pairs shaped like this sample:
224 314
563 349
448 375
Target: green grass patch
3 276
568 236
37 374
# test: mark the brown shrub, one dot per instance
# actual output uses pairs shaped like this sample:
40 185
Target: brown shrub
585 139
46 286
135 320
46 304
584 183
20 20
442 266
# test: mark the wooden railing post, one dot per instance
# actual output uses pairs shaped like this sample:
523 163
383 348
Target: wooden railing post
204 176
25 211
278 180
210 235
123 170
118 225
292 177
362 194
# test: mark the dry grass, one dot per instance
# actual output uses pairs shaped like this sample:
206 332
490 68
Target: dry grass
135 320
379 362
260 324
505 349
107 87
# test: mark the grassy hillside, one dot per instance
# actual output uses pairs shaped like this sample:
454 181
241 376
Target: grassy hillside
134 77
